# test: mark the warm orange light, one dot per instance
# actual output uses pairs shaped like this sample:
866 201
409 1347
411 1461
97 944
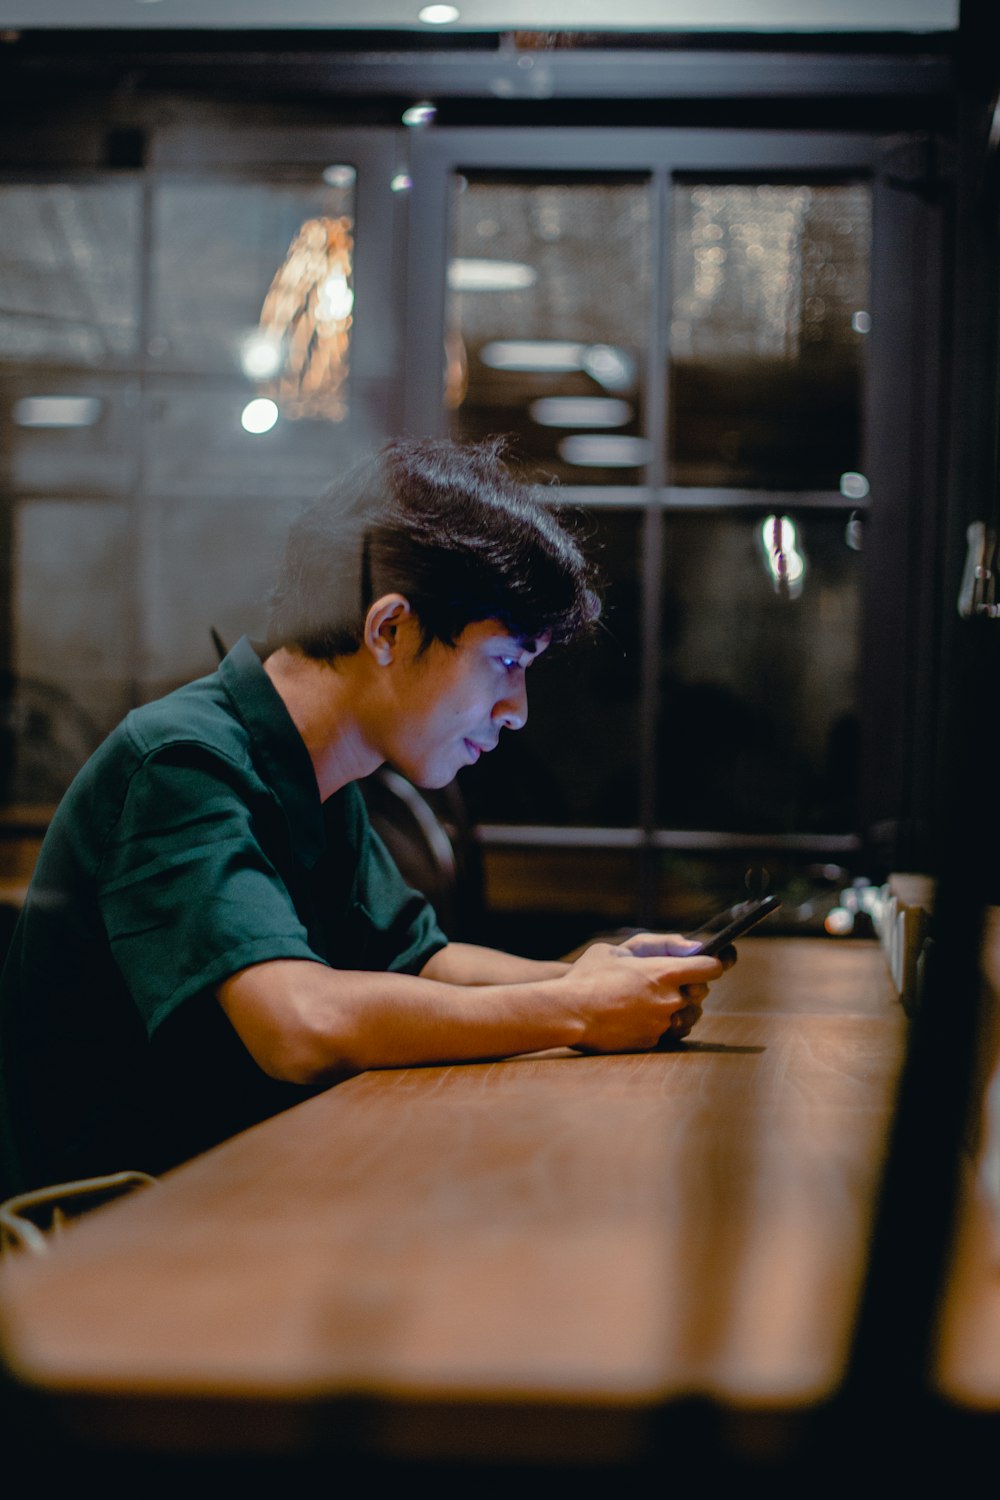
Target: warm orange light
308 313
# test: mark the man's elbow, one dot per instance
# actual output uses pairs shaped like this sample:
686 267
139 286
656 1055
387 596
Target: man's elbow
301 1056
290 1036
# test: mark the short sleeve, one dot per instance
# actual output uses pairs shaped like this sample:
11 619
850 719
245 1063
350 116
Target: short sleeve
187 886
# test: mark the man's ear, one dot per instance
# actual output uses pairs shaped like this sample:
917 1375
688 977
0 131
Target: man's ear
382 624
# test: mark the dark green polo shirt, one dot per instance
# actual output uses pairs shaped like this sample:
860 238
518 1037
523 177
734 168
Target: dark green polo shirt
192 844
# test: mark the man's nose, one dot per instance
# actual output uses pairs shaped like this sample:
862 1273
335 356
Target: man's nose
511 712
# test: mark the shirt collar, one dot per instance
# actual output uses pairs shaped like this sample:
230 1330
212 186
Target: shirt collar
277 747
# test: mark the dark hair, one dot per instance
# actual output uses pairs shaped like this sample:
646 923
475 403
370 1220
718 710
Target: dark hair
446 526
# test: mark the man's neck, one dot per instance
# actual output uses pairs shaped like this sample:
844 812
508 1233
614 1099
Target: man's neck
321 699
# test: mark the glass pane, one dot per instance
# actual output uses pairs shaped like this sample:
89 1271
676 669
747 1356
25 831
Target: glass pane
257 277
576 760
548 292
72 641
208 566
758 703
769 312
69 272
70 435
198 445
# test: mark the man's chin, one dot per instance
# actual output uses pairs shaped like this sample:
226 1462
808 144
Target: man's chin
428 778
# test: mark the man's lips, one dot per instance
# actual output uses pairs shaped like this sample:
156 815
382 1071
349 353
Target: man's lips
477 749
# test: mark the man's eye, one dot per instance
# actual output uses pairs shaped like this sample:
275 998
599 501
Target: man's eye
510 662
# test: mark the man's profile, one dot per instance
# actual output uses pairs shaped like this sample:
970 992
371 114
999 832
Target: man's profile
214 931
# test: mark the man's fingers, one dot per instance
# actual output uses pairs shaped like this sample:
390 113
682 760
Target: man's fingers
659 945
698 969
680 1023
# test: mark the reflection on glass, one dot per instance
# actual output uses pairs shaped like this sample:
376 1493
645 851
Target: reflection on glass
256 277
304 332
216 439
548 288
758 726
69 272
767 325
779 543
576 761
211 567
72 642
70 434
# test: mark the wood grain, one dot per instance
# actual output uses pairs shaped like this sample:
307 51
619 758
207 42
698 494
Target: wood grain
557 1231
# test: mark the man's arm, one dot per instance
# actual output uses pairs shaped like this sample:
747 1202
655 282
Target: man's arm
305 1023
466 963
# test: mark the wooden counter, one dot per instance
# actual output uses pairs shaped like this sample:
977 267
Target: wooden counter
554 1245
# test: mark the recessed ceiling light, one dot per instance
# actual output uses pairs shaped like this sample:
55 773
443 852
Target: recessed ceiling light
261 355
259 416
550 355
57 411
419 114
600 452
468 275
340 175
438 15
580 411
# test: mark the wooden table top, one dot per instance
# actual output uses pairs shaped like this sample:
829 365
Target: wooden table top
584 1236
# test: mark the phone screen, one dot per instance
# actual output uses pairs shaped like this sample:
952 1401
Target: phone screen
731 923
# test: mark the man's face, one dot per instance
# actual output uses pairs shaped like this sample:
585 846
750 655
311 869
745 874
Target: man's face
453 701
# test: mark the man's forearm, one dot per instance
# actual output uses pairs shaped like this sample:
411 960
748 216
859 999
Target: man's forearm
305 1023
465 963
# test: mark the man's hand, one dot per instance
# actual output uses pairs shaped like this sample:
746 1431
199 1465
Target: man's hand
631 995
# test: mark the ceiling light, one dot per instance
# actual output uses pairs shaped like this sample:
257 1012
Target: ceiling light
587 451
259 415
550 355
261 355
340 175
580 411
335 300
419 114
57 411
438 15
613 368
490 275
853 486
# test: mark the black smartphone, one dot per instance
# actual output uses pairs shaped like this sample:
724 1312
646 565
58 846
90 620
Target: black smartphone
732 923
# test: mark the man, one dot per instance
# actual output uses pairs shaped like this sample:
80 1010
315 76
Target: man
214 931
